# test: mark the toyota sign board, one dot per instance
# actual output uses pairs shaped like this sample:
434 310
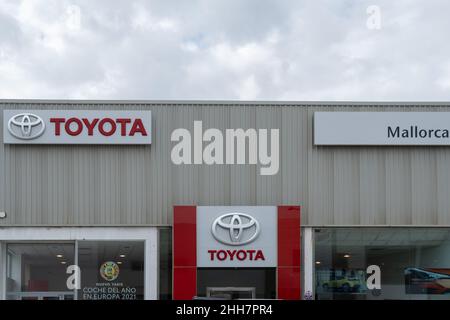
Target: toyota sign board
76 127
241 236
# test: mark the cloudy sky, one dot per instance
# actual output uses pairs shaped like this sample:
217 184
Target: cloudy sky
225 49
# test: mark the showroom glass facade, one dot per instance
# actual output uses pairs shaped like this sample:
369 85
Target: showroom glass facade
109 270
414 263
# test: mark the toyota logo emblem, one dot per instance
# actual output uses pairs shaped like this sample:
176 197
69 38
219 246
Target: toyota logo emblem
235 229
26 126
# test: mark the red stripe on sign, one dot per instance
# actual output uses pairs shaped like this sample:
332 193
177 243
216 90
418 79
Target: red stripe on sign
288 283
184 252
288 271
184 283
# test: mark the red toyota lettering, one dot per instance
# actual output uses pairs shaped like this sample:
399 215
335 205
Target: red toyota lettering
123 125
221 255
231 254
259 255
57 122
138 126
90 125
106 126
101 127
68 127
212 253
241 255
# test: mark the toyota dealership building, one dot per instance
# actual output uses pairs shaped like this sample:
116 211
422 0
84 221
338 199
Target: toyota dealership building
128 200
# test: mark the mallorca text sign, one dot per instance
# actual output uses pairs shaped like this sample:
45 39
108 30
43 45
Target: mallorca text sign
382 128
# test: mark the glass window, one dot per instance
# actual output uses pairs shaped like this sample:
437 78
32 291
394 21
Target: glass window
111 270
414 263
38 271
165 264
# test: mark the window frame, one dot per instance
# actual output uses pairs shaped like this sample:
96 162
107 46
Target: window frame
72 234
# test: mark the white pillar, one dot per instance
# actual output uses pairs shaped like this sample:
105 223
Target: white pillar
2 270
308 262
151 265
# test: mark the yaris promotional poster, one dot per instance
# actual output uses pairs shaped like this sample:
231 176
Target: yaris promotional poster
224 159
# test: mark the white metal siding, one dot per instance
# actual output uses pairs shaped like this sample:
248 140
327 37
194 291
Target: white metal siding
138 185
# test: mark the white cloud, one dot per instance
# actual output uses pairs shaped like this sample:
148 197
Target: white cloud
143 20
254 49
248 89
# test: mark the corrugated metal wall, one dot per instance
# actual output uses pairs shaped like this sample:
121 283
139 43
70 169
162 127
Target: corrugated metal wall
135 185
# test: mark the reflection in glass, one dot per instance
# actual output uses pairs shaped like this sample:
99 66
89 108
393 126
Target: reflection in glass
37 271
414 263
111 270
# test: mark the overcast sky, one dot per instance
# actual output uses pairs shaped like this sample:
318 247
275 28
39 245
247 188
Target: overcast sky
231 49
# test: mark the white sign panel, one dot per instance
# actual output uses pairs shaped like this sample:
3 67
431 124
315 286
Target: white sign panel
76 127
237 236
381 128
